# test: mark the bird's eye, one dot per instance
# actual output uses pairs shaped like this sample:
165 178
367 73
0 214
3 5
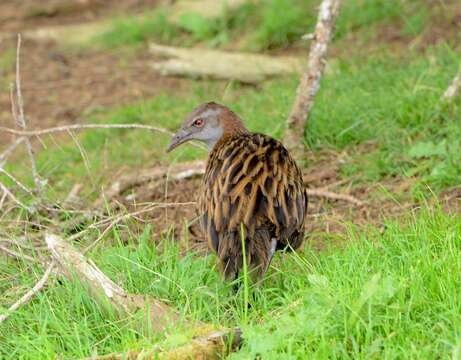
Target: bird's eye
198 122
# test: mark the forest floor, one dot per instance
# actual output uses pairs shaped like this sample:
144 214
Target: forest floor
378 279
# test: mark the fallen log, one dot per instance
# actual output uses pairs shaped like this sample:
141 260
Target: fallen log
203 63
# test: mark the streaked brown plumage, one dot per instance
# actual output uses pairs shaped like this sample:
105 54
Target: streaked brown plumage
251 184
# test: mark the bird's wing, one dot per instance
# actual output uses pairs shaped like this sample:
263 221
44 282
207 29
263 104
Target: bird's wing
252 180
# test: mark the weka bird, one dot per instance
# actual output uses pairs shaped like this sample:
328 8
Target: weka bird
252 185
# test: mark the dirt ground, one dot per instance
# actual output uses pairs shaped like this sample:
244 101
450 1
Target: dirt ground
62 87
20 15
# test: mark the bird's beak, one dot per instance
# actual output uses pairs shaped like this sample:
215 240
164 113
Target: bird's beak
179 138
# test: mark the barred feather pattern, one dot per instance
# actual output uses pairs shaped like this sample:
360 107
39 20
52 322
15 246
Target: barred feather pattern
251 182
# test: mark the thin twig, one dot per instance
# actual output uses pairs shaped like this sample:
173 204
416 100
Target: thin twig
17 182
18 244
84 156
122 217
82 126
454 87
21 120
65 128
2 199
100 237
30 294
9 150
14 198
15 254
334 196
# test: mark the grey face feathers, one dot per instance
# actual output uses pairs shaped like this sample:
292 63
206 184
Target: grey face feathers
208 122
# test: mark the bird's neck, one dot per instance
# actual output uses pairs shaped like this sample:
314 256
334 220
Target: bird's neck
232 124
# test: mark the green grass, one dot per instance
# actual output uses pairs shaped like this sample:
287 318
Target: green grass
259 26
391 295
133 30
7 59
394 104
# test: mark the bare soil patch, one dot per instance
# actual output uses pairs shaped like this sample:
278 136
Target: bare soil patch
62 88
20 15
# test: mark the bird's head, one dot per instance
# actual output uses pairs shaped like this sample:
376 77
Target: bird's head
208 122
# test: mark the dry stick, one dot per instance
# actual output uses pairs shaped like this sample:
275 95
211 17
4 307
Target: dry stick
310 80
16 255
118 218
334 196
9 150
21 120
66 128
16 181
100 237
113 220
30 294
63 128
82 126
15 199
2 199
453 89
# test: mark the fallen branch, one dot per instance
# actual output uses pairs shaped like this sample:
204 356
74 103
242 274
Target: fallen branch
110 295
334 196
204 63
30 294
453 89
104 290
310 80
